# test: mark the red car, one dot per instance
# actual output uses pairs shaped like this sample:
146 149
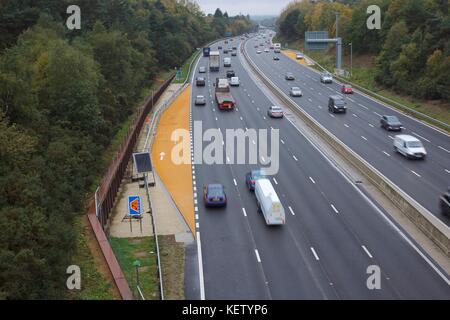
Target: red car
346 88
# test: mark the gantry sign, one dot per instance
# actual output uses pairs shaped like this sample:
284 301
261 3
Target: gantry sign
318 40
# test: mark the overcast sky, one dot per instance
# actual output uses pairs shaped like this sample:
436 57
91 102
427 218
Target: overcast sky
251 7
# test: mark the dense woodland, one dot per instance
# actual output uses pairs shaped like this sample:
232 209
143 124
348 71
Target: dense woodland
63 96
412 48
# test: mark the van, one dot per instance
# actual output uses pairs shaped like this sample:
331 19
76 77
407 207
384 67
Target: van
268 203
409 146
227 62
234 81
336 103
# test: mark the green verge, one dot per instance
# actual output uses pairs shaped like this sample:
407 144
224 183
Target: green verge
128 250
93 284
185 68
364 77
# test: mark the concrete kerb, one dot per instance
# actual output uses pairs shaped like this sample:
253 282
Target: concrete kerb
432 227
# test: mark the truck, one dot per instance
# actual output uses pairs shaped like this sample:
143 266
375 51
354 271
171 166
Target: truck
214 60
268 202
224 99
206 51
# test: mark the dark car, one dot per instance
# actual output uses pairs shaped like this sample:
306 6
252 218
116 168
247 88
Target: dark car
336 104
346 88
219 47
225 50
200 82
252 176
230 74
390 123
276 58
445 203
289 76
214 195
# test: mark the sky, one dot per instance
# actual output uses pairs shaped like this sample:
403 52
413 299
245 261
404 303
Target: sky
251 7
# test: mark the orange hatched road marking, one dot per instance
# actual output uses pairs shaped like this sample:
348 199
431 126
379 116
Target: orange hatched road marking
292 55
177 178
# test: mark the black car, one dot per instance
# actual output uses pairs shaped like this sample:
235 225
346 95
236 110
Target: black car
230 74
219 47
289 76
276 58
445 203
390 123
336 104
252 176
200 82
225 50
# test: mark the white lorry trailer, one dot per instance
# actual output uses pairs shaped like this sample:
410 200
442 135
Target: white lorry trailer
214 60
269 203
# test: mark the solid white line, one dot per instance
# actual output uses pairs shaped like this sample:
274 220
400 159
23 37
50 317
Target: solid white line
244 212
235 183
275 180
315 254
420 136
367 251
334 208
200 268
416 173
292 211
443 149
257 255
312 180
295 158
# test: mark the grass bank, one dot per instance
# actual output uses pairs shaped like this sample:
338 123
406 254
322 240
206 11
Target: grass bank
185 68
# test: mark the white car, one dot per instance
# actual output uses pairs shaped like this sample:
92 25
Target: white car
258 52
234 81
295 92
266 50
409 146
299 56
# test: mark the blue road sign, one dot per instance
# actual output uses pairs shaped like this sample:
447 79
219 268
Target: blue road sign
134 205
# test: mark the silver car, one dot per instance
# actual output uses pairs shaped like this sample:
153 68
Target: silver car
200 101
295 92
326 78
202 69
275 112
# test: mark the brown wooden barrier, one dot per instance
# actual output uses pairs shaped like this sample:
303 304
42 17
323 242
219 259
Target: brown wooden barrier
109 187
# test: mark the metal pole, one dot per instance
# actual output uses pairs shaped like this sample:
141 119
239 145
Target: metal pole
337 23
351 59
156 238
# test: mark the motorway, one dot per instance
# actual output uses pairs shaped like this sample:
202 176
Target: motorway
333 232
360 129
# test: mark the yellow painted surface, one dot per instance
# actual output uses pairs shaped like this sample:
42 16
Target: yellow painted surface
292 55
177 178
